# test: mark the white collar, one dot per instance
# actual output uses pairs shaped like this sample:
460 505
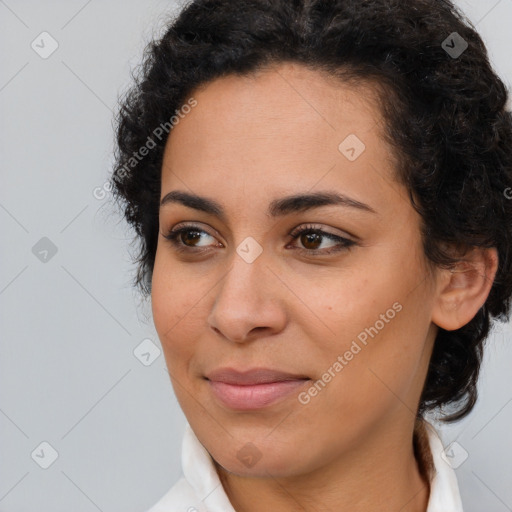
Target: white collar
444 489
200 490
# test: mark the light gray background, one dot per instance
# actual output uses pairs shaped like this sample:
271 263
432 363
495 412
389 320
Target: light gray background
70 325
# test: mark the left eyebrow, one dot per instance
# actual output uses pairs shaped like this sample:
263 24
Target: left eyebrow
301 202
277 208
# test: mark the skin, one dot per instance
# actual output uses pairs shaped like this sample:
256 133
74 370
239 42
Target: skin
250 140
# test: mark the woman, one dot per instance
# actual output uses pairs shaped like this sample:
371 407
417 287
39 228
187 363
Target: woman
319 191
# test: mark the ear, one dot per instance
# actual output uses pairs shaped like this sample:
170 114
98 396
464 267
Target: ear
463 290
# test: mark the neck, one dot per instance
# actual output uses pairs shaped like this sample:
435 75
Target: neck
389 467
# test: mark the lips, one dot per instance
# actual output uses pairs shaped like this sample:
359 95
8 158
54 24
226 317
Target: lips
252 376
253 389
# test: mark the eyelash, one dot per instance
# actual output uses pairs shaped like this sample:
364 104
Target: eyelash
343 243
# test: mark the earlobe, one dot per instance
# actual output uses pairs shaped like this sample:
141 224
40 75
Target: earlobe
463 290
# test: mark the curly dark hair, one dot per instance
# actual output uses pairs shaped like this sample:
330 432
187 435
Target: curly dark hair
445 117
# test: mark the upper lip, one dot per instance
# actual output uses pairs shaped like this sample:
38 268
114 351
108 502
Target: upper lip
251 376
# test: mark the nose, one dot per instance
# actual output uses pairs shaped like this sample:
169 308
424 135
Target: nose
249 302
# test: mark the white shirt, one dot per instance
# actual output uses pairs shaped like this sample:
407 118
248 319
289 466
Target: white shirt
200 489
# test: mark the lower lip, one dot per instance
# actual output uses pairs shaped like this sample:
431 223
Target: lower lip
254 396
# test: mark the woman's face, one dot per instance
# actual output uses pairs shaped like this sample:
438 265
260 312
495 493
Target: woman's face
351 314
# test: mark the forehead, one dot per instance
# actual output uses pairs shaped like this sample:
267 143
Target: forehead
286 128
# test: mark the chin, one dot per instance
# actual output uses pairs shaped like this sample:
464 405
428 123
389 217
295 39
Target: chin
250 461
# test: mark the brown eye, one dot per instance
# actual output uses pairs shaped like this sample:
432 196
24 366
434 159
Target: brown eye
188 237
311 239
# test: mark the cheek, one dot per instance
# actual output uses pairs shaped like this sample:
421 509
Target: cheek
383 358
172 302
375 318
334 310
